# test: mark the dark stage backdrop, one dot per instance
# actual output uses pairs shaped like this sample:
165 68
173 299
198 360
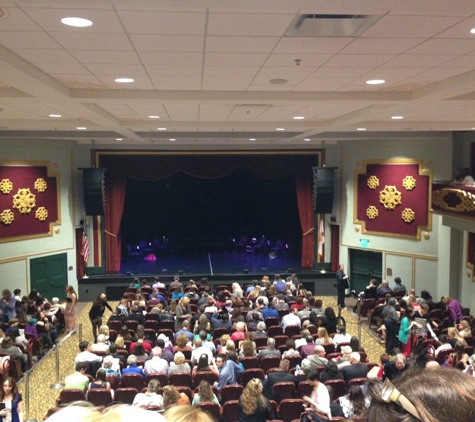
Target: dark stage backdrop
194 211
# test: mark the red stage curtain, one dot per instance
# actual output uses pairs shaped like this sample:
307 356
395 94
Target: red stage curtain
116 184
303 186
335 251
209 166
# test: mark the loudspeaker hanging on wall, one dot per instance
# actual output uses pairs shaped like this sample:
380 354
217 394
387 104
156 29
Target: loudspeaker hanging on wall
323 187
93 182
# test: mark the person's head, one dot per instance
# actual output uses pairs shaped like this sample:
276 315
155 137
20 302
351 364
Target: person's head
185 413
445 300
232 356
108 361
331 368
397 280
319 351
101 375
357 399
284 365
290 344
139 350
83 346
220 360
341 329
170 395
247 348
14 333
132 360
261 326
181 341
323 334
203 364
119 342
400 361
179 358
206 392
438 395
443 339
452 333
464 325
7 294
330 313
81 367
153 386
346 350
459 349
355 357
224 339
355 344
341 267
314 376
230 346
251 396
271 343
9 387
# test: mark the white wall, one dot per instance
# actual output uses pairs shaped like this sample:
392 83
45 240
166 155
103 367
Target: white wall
15 256
417 262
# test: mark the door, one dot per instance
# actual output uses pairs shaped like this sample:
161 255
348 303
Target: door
364 265
49 275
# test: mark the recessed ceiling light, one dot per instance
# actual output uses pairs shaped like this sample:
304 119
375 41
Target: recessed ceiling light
278 81
124 80
153 117
279 128
55 115
360 128
397 117
472 31
119 139
81 128
252 139
299 118
161 128
375 81
307 139
77 22
172 139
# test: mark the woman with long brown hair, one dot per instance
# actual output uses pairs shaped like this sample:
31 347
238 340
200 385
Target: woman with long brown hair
253 406
205 394
13 405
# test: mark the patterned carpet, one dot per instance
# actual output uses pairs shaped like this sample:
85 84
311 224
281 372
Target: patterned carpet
42 397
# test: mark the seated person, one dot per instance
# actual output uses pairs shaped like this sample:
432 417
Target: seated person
132 367
150 397
77 380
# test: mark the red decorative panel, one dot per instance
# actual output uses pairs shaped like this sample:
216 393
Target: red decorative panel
29 201
392 198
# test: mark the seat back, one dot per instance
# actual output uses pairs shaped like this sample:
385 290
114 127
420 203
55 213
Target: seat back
249 362
294 361
338 386
231 410
291 409
249 374
271 321
113 380
69 395
132 381
167 324
214 409
269 362
180 379
357 381
261 341
275 330
305 388
162 379
209 376
280 340
126 395
230 392
100 397
283 390
115 325
132 325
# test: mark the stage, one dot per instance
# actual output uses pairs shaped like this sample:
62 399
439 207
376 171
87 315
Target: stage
219 268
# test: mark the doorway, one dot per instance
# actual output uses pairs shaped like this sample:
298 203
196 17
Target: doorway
49 275
364 266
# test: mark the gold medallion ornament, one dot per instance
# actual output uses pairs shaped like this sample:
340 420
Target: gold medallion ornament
41 214
6 217
24 201
409 182
6 186
372 182
372 212
408 215
40 185
390 197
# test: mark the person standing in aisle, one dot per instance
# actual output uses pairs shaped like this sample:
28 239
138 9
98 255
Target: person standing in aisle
341 285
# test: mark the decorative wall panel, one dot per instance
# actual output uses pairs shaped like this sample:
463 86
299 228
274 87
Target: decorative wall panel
393 198
29 201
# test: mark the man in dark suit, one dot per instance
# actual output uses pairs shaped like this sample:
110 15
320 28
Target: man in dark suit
135 316
356 369
341 285
282 375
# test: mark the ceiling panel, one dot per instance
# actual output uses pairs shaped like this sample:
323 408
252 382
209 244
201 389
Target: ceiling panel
176 43
315 45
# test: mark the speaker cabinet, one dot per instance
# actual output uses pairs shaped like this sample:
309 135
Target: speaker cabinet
93 181
323 187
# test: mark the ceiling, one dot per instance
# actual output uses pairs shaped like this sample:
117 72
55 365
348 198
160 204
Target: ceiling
205 68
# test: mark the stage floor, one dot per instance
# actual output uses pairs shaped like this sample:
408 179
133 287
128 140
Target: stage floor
212 264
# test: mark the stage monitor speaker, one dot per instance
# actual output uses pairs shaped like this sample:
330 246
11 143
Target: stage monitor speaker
323 187
93 181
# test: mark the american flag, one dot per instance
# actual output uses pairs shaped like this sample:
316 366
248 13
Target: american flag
85 245
321 236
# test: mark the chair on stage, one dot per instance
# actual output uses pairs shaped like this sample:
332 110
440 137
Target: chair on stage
261 245
241 244
144 247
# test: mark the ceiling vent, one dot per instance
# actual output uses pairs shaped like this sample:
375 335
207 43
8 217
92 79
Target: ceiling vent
314 25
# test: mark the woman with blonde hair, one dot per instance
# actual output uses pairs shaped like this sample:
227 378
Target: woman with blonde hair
253 406
182 313
104 329
237 291
454 336
464 329
180 365
323 337
187 414
172 397
223 340
230 347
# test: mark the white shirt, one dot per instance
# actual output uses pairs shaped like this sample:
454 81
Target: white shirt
441 348
156 365
87 356
341 338
148 399
195 355
290 319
